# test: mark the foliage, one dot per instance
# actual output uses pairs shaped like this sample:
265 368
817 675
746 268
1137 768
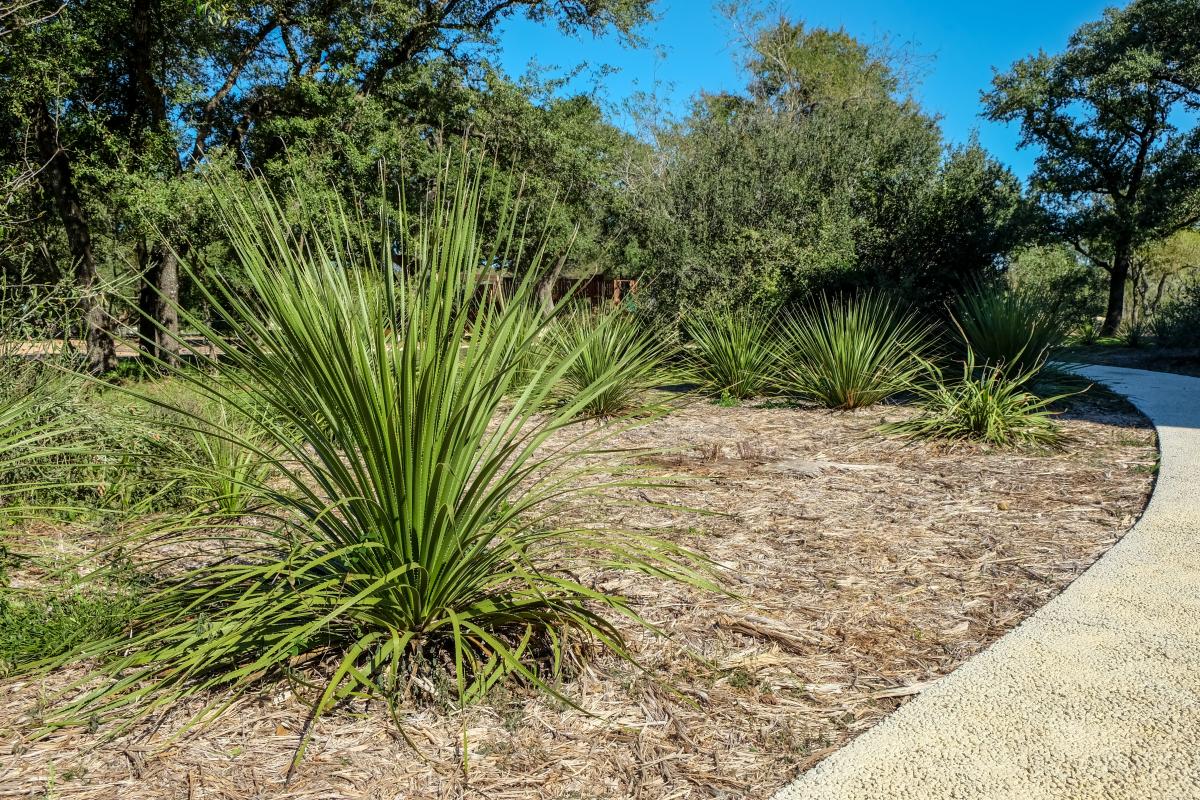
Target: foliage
1010 330
1177 322
217 466
1116 170
1061 282
851 354
608 357
415 535
39 625
733 352
806 186
989 405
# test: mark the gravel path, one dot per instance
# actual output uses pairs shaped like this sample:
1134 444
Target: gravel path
1097 695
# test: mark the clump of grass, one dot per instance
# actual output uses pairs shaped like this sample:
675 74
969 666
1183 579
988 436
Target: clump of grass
1008 329
414 541
38 625
734 353
224 464
852 353
608 357
989 405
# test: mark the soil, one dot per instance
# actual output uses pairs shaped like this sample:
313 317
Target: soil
862 569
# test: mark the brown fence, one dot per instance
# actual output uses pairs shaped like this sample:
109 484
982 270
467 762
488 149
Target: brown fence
596 290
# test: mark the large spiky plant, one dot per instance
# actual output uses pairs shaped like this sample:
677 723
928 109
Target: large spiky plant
733 353
852 353
419 504
1008 329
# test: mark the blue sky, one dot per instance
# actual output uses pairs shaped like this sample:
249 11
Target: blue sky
690 48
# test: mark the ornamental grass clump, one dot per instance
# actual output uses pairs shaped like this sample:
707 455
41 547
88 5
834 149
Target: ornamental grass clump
989 405
609 361
415 533
1007 329
850 354
733 354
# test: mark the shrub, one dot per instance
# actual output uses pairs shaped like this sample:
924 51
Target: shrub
1007 329
989 405
608 357
734 353
1177 320
418 535
851 354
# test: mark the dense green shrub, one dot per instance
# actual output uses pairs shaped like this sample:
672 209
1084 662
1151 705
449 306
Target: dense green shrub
1066 288
989 404
1177 321
733 352
1008 329
852 353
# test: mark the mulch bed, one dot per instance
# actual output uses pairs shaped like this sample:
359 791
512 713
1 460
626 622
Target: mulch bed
863 568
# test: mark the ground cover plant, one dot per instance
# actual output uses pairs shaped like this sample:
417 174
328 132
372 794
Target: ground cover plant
852 353
411 544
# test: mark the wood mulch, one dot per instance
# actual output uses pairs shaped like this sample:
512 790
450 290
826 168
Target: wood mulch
863 568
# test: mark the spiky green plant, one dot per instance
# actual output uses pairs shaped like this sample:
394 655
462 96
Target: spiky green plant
420 522
219 470
1007 329
852 353
989 404
607 357
733 352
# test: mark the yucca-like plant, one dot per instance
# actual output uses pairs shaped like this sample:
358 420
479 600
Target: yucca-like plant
734 353
989 405
609 360
1008 329
220 471
419 523
852 354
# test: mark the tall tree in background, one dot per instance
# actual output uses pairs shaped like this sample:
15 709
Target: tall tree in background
142 94
824 176
1117 170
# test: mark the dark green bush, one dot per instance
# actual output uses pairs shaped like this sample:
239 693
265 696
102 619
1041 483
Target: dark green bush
1177 320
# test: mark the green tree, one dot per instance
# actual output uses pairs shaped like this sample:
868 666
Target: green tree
140 96
1116 169
819 178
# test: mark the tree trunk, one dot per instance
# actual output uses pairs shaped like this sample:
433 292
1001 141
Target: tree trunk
1116 287
58 184
546 284
158 323
146 108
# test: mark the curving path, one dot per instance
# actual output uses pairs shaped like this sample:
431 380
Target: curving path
1097 695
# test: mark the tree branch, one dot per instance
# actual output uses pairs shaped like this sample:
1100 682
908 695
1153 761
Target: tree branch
204 127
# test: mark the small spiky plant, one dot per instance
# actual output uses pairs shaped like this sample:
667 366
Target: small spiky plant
853 353
734 352
608 359
989 405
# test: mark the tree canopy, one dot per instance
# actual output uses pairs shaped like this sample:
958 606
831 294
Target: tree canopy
1116 169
